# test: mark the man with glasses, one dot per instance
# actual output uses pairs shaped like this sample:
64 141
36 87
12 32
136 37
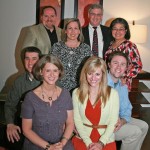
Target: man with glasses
103 37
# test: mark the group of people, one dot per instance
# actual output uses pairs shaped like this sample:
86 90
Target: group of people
70 98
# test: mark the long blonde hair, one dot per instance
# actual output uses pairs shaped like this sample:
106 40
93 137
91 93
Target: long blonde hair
90 66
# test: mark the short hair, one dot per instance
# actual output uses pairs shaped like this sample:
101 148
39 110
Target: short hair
30 49
95 6
91 65
68 21
46 7
43 61
117 53
126 26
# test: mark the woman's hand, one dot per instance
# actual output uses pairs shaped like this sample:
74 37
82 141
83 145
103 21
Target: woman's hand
95 146
56 146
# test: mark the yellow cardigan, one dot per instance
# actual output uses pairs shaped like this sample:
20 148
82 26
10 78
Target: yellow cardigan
109 117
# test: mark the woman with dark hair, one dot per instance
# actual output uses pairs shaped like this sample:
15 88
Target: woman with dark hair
121 35
47 111
72 52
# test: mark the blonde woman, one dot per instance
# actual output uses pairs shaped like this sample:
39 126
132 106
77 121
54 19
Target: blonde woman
96 108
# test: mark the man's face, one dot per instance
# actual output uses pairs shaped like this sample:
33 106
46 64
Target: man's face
95 17
30 59
49 18
117 67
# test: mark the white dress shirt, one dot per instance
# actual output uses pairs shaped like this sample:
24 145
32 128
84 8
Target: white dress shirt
100 39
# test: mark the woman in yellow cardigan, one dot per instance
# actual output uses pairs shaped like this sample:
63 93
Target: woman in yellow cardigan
96 108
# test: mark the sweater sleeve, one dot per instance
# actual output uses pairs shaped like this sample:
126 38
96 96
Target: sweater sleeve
78 120
113 116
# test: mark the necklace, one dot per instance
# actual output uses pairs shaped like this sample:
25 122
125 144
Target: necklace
50 98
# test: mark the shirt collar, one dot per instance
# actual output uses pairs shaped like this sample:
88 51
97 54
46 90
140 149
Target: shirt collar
112 83
91 27
28 77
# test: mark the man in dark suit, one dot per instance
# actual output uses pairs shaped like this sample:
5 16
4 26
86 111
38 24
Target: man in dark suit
95 14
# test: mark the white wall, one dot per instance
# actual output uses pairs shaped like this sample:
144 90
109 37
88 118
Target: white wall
16 14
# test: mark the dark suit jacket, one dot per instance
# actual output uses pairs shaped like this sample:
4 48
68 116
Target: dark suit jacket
106 37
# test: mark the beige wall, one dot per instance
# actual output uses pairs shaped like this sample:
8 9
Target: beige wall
16 14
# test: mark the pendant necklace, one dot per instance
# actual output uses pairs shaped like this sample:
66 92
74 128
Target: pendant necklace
50 98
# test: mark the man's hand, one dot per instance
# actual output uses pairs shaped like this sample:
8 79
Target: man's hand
13 132
119 124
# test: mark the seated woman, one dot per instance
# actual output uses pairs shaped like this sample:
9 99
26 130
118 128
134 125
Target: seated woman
47 111
96 108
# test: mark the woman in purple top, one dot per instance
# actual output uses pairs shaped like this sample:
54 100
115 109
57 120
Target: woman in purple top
47 111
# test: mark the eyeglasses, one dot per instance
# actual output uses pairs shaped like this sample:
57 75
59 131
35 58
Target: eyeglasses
98 15
120 30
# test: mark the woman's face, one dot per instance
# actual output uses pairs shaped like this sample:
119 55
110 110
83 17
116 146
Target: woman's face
94 78
118 31
50 73
72 31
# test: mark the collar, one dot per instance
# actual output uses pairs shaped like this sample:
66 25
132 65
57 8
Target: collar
29 77
91 27
112 83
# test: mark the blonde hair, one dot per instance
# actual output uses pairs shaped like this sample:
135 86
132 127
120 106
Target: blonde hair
90 66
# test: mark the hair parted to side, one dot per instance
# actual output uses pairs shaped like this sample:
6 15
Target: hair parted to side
125 24
30 49
43 61
68 21
90 66
117 53
47 7
95 6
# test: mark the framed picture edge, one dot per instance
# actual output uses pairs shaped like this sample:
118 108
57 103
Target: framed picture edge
76 7
38 10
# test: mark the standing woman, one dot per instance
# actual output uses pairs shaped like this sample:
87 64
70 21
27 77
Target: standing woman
72 52
121 35
47 115
96 108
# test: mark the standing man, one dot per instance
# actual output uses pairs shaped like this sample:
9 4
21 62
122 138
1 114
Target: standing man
129 130
95 14
22 84
45 34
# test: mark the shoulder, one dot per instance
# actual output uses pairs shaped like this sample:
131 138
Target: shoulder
85 49
58 29
129 43
85 28
65 91
104 28
85 45
113 92
21 78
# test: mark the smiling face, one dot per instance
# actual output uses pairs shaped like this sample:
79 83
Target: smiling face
118 31
117 67
72 31
30 59
94 78
50 73
49 18
95 17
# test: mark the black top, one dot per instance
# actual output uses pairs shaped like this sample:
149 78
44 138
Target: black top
52 36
